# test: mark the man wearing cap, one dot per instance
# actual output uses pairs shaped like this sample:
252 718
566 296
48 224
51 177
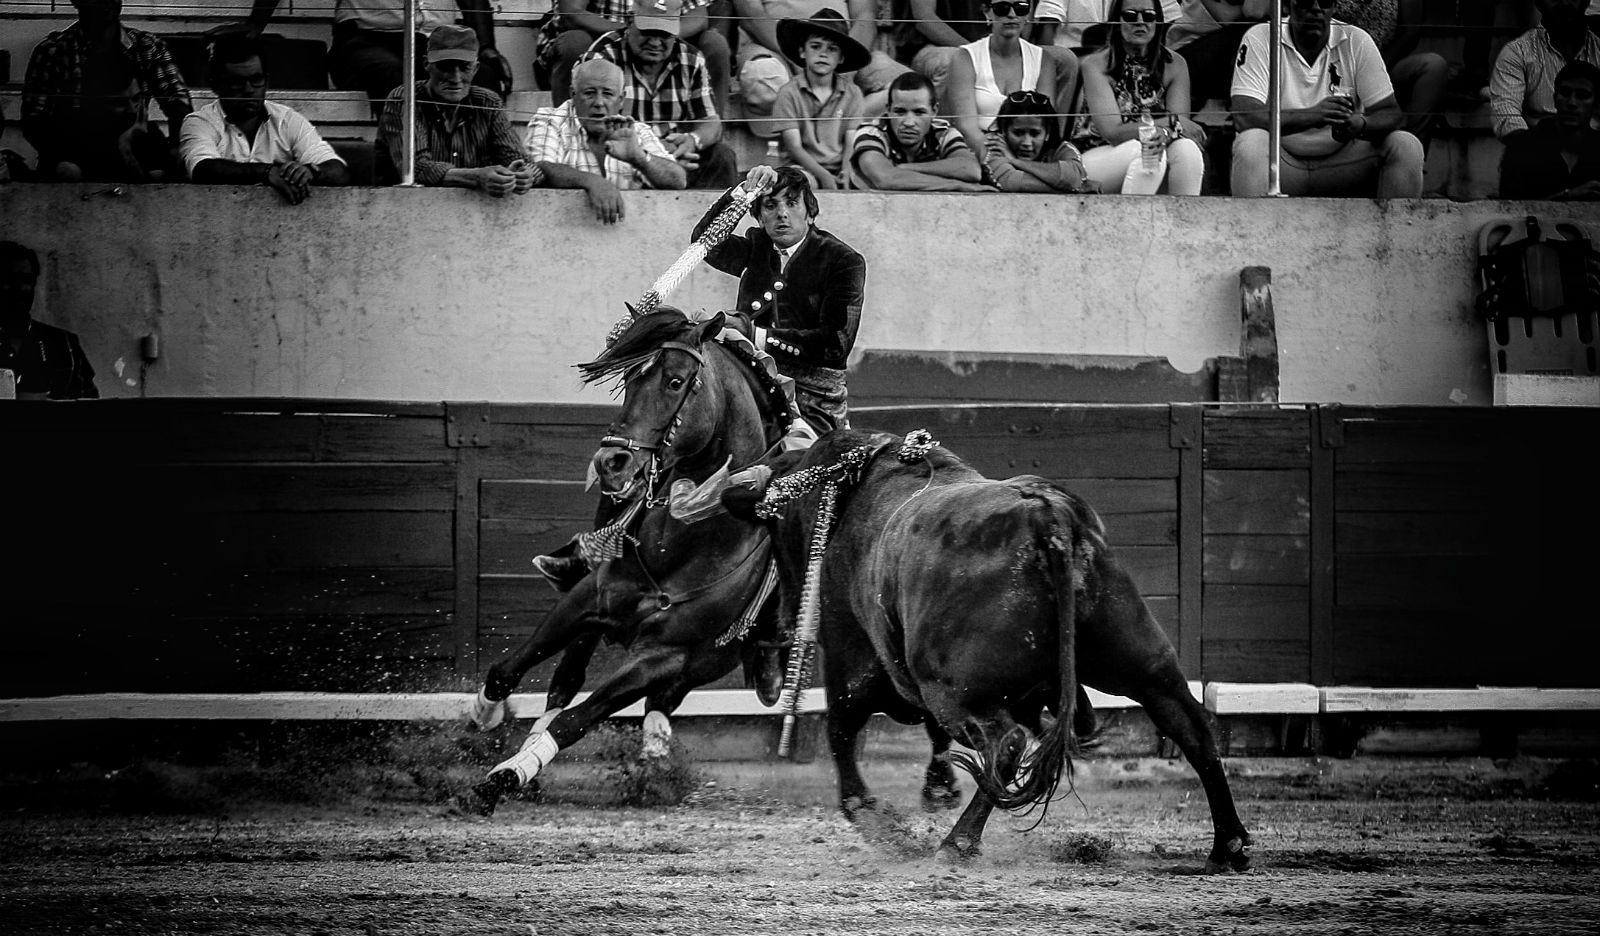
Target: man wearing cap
665 84
463 136
1340 122
242 138
567 35
369 41
817 111
588 143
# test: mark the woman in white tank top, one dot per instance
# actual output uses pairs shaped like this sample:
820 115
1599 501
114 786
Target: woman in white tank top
994 67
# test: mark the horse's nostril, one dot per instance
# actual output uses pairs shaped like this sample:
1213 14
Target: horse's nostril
614 463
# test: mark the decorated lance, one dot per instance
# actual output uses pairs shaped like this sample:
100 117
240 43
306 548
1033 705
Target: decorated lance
687 261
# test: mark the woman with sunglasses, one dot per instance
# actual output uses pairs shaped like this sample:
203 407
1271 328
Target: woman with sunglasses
984 72
1026 152
1135 75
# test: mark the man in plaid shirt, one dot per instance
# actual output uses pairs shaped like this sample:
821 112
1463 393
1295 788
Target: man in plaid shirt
67 63
665 84
567 35
589 143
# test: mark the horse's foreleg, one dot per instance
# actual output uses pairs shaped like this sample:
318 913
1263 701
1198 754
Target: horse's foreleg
1176 714
571 619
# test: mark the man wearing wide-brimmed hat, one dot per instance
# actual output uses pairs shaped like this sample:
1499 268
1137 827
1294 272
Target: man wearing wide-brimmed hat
816 112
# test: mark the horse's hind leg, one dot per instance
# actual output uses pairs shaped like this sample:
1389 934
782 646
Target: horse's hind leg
939 790
1180 717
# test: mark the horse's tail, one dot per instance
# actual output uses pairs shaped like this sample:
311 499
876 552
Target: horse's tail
1038 772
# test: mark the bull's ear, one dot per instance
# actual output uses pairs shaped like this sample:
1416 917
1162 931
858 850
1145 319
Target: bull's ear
712 327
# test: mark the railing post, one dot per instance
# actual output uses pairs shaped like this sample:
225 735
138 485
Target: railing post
408 97
1275 102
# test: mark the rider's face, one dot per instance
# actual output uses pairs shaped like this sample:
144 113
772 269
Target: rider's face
784 217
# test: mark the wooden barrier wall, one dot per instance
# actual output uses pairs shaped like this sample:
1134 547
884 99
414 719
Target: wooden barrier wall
255 545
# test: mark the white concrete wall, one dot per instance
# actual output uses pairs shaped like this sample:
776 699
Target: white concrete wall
446 295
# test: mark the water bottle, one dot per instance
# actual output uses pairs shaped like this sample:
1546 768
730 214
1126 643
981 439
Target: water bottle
773 157
1149 142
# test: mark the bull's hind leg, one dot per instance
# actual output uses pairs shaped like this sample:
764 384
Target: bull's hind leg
847 715
939 790
1180 717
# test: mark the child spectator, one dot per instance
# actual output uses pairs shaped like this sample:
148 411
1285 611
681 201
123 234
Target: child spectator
1135 76
909 150
1025 151
817 110
1560 158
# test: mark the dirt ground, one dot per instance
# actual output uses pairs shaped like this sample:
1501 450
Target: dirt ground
1368 845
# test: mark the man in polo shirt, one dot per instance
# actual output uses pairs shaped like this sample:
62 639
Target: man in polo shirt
666 85
463 136
1340 123
589 143
242 138
909 150
1522 89
65 65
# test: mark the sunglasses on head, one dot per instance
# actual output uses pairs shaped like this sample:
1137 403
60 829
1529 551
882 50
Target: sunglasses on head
1312 4
1027 97
1010 8
1136 16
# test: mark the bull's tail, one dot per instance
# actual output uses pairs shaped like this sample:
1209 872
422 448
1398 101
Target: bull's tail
1036 775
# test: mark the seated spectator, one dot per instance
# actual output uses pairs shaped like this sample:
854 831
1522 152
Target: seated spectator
463 136
817 110
1560 158
77 86
1025 152
1419 78
369 41
1522 87
934 30
982 73
37 361
588 143
1133 76
909 150
666 85
1207 34
1082 24
567 35
242 138
760 49
1340 123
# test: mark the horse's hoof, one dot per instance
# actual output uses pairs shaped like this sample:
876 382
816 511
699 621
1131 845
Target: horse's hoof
488 794
488 716
940 798
853 806
956 852
1230 857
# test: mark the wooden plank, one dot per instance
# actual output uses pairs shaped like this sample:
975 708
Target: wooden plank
1337 700
1258 338
1233 698
296 437
1186 435
1135 511
1460 582
1057 442
1256 502
467 481
536 499
1257 612
545 452
308 488
1257 437
1434 647
1414 487
1255 660
330 539
1418 436
1154 568
1260 560
1399 532
507 547
1327 442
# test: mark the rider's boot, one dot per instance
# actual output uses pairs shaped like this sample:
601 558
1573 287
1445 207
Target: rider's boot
767 670
562 572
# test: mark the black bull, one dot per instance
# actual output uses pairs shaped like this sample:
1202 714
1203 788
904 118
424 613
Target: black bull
982 604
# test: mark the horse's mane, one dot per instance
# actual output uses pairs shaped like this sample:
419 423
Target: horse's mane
637 346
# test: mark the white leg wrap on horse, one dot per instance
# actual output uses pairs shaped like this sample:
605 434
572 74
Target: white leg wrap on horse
486 713
657 734
543 724
537 751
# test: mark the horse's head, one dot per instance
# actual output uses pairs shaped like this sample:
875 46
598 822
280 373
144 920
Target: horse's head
673 403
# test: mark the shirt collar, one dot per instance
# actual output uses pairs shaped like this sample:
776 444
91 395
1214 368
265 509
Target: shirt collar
796 246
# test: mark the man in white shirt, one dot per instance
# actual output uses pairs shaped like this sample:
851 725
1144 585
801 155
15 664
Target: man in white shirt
1522 87
588 143
242 138
1340 121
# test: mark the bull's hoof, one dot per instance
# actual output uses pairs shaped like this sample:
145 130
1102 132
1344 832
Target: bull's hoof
958 851
488 794
854 807
1230 856
940 797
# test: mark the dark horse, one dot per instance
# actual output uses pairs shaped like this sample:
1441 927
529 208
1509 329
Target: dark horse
691 403
981 604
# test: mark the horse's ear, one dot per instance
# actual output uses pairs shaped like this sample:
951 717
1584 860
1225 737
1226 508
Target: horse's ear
712 327
632 312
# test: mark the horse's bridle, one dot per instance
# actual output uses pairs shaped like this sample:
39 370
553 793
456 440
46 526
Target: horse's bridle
664 435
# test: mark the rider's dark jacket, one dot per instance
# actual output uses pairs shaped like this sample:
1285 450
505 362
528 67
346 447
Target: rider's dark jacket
810 310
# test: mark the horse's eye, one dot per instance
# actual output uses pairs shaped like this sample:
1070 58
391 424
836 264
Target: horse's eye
675 383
